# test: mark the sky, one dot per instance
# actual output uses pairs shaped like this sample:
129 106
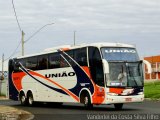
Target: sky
124 21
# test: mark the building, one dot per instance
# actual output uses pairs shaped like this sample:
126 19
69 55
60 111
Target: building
5 70
4 78
155 64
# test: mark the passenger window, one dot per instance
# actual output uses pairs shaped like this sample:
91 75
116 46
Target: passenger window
42 62
71 54
57 61
81 56
31 63
23 62
63 62
54 61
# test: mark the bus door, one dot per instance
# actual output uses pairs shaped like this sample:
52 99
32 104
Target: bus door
95 65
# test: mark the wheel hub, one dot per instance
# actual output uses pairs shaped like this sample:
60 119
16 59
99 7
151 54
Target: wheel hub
86 100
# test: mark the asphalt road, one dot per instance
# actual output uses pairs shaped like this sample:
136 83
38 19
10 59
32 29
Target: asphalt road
146 110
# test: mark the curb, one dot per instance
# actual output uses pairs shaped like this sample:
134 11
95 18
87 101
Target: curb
7 113
151 81
11 113
3 98
150 99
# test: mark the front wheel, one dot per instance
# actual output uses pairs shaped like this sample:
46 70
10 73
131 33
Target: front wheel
118 106
87 102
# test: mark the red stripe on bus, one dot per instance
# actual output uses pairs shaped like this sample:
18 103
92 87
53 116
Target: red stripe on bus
17 80
116 90
99 93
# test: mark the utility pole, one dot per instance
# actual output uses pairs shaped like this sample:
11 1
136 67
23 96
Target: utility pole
74 38
23 43
2 77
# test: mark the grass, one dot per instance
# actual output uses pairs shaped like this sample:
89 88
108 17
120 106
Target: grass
152 90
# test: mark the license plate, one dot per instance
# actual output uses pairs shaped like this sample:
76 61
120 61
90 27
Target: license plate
128 99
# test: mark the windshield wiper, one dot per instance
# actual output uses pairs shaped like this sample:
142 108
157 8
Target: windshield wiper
132 75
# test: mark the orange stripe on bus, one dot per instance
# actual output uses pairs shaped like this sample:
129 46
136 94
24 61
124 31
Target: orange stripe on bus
86 69
66 90
64 49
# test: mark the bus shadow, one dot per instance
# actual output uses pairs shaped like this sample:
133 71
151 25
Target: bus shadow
81 107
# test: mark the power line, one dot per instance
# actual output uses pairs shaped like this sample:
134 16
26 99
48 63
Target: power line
19 29
23 33
37 32
14 52
16 16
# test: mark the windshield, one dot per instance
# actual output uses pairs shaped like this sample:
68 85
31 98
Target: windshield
125 67
119 54
125 74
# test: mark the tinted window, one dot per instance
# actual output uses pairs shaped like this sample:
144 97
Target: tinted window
22 61
80 56
42 62
63 62
17 63
57 61
54 61
96 67
71 54
94 54
31 63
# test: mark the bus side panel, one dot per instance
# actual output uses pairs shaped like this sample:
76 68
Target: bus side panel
13 93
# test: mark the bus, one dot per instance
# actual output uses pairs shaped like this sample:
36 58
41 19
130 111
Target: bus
91 74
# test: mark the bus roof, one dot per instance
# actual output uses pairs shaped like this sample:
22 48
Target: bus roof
70 47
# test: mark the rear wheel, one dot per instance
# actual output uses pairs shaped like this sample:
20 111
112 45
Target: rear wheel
118 106
22 99
30 99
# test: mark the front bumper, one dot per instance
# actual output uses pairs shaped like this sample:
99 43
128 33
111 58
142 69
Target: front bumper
123 99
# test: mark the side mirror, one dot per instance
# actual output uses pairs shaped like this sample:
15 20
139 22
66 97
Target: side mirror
105 66
148 64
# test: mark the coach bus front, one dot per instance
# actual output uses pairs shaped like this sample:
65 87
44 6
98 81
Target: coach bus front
124 79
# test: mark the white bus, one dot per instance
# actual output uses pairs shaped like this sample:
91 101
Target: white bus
92 74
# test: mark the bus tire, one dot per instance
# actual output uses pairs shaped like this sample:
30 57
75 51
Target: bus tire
87 101
118 106
30 99
22 98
